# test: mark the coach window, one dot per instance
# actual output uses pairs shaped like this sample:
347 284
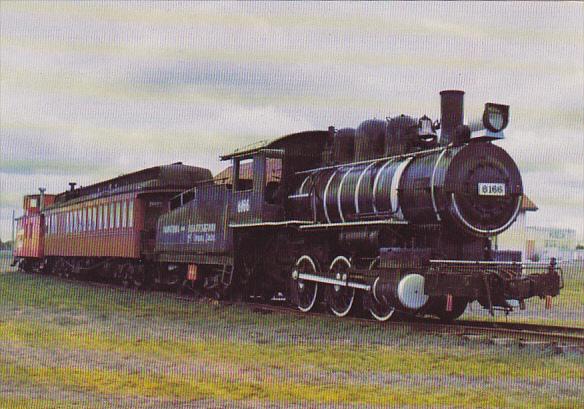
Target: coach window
94 218
112 216
83 219
118 214
124 214
131 213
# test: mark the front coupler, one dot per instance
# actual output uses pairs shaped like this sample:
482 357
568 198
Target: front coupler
493 283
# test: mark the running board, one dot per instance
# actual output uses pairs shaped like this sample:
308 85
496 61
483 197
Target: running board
333 281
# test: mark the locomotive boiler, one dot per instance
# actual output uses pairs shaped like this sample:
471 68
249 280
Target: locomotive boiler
475 188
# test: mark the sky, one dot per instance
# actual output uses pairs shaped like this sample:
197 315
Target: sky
89 91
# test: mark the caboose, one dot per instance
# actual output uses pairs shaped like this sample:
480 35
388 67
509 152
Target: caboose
396 215
29 246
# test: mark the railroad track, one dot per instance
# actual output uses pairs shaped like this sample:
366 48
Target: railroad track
559 338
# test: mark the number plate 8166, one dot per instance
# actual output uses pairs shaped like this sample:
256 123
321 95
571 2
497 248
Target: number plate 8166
491 189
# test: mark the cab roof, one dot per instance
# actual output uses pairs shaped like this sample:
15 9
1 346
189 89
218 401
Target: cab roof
287 141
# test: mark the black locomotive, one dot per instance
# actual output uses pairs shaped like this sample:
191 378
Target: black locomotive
390 216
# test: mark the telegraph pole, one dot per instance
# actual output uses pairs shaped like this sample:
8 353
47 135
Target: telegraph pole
12 234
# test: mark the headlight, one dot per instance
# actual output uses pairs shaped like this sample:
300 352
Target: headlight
496 117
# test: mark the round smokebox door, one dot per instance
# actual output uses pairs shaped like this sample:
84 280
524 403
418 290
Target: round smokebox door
410 291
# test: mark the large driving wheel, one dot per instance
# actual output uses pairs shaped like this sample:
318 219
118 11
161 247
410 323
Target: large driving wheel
341 298
306 291
379 309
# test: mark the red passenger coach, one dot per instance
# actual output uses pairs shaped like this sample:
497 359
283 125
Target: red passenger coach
107 228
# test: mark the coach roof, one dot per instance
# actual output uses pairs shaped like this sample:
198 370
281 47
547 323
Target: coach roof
175 175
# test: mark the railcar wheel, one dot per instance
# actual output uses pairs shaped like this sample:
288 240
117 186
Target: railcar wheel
188 288
140 278
63 268
306 291
127 275
341 298
380 311
459 305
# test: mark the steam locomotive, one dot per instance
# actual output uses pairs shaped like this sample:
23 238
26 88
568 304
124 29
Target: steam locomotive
390 218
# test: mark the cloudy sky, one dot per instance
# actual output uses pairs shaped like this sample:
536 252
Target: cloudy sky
92 90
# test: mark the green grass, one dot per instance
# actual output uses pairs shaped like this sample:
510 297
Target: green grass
248 356
412 359
177 388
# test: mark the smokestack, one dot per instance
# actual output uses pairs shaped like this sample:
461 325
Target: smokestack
452 114
42 198
72 186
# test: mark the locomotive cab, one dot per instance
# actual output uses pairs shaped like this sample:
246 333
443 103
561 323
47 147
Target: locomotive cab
257 179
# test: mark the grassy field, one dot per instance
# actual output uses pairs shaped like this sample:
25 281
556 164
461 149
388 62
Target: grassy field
68 345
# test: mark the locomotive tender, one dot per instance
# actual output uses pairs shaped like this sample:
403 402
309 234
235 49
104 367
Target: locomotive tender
391 216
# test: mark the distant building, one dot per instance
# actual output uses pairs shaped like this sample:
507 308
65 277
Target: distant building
544 243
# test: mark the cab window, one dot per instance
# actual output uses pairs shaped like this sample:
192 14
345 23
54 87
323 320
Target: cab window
244 174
